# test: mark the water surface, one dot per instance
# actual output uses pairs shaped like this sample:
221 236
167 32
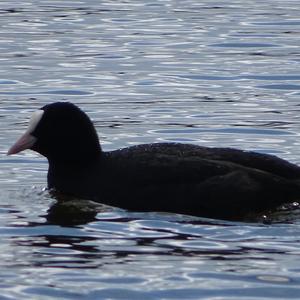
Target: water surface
212 73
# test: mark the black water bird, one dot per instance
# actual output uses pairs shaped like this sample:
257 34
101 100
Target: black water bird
219 183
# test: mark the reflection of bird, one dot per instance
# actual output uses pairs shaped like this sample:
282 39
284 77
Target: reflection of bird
211 182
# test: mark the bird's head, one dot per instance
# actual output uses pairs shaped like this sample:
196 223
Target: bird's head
59 131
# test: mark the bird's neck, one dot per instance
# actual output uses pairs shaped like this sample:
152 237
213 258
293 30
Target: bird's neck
70 175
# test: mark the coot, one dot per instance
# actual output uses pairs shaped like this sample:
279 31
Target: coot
219 183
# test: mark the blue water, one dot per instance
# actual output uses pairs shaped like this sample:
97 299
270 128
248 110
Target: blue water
213 73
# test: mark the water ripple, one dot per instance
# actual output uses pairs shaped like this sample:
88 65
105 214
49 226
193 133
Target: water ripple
206 72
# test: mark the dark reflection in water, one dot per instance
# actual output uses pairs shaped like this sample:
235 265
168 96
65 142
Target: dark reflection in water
123 251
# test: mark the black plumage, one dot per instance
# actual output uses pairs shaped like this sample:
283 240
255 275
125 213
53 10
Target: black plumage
182 178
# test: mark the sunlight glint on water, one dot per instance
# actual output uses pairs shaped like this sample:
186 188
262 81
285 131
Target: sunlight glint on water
206 72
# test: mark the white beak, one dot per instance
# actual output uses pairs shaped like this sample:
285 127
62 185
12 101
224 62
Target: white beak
27 140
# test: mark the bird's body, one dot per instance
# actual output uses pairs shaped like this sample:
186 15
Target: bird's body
211 182
182 178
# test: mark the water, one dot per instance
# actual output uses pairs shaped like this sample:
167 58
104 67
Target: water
215 73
